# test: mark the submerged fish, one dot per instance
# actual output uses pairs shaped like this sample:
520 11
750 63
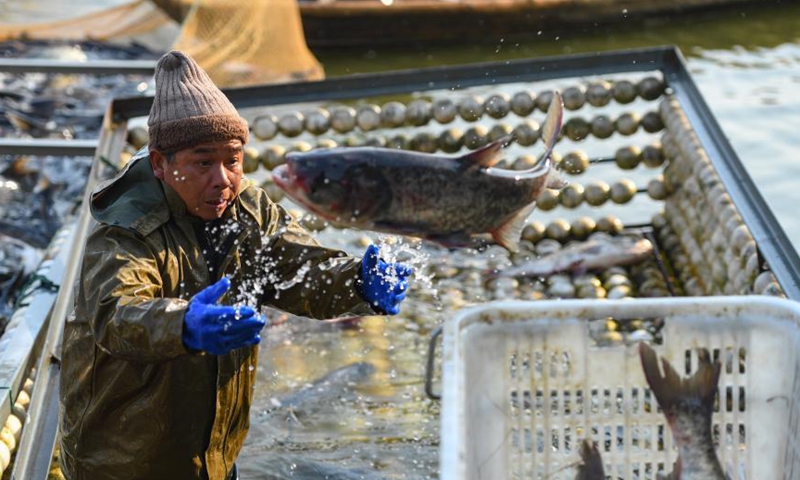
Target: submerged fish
442 199
321 391
308 466
598 252
17 257
688 405
591 466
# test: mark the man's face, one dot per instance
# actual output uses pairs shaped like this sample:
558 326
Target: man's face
206 176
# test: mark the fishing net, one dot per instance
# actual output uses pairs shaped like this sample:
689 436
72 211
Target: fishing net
245 43
131 19
238 43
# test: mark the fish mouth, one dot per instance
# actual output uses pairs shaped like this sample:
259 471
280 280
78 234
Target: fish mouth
285 178
282 176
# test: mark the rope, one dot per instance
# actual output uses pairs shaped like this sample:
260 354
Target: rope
45 284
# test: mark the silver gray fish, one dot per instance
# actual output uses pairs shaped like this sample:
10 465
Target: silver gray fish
444 199
280 465
598 252
325 388
688 405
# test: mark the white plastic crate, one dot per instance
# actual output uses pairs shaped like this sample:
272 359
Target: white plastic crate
523 384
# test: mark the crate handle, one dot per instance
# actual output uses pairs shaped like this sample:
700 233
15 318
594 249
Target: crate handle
429 364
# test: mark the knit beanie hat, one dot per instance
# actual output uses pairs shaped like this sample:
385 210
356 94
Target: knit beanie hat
188 108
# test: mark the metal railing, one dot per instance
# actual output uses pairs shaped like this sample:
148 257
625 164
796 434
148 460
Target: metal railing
34 331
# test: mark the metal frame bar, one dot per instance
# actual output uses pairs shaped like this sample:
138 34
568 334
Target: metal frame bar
772 241
96 67
436 78
38 439
24 334
48 147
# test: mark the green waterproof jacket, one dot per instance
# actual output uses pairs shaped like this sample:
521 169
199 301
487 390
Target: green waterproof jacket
135 404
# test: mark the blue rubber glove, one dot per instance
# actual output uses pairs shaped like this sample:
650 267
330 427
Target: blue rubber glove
382 284
218 329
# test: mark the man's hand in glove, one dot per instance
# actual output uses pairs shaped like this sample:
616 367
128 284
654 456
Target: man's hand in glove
382 284
218 329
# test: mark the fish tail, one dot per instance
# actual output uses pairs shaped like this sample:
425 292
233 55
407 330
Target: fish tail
591 466
674 394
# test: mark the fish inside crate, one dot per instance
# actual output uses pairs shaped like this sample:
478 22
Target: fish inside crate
525 385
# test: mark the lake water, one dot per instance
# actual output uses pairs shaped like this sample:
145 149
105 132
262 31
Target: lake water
746 63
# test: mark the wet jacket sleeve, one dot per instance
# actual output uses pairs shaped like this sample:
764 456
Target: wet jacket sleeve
122 298
306 278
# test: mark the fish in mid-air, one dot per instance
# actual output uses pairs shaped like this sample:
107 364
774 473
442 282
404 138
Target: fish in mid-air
599 252
447 200
688 405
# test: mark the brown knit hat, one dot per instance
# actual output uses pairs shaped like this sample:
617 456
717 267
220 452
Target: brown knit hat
188 108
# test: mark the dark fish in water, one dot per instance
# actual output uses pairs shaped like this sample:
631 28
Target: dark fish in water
442 199
18 261
39 125
330 386
280 466
591 466
17 257
688 405
598 252
27 233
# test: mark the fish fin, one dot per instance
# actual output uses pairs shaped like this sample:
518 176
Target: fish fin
507 235
552 126
591 467
487 156
671 391
578 267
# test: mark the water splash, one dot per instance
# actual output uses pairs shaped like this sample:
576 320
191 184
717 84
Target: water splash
395 249
298 277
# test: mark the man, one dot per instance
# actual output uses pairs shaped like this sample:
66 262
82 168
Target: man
158 367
